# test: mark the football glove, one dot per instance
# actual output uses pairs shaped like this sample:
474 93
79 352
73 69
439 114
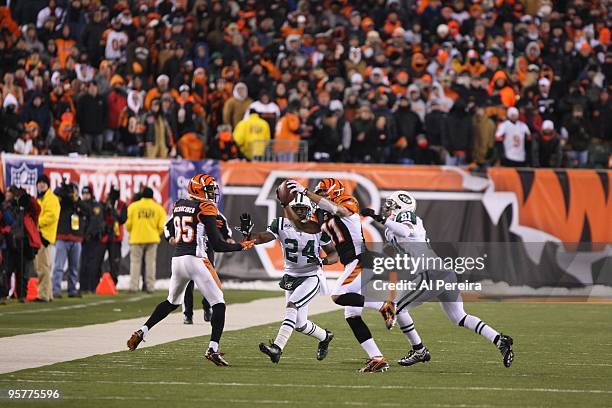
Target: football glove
296 187
246 224
368 212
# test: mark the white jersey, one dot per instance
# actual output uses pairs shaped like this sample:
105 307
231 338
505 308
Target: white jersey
417 230
115 45
301 249
513 136
415 243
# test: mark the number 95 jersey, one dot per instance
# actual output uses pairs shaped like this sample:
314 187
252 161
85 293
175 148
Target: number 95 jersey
188 225
300 249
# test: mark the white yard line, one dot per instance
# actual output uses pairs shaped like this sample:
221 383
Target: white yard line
332 386
56 346
75 306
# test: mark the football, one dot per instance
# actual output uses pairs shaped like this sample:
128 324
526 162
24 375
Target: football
283 193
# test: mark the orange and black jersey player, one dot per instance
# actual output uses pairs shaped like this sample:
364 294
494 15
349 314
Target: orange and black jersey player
345 232
222 227
195 223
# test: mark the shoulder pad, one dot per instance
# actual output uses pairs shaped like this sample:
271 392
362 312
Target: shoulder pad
348 202
273 227
208 208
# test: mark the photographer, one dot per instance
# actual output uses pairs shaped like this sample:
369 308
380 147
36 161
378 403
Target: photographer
6 221
115 215
47 225
92 249
24 238
70 231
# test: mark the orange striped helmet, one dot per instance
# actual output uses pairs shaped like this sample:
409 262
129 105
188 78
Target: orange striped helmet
203 187
330 188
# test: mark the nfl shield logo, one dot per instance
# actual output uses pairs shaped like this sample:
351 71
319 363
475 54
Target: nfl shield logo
24 177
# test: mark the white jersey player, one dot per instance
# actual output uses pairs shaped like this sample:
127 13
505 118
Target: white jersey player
406 232
303 277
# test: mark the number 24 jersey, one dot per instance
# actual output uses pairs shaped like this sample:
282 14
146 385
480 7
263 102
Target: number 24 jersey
300 249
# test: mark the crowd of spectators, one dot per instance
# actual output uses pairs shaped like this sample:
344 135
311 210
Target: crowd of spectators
480 82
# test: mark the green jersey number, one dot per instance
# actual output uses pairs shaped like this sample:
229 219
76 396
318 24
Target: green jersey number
292 248
406 216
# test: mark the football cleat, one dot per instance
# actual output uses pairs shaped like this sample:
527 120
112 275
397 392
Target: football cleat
135 340
324 345
207 314
505 347
415 356
187 320
216 357
375 365
272 351
389 314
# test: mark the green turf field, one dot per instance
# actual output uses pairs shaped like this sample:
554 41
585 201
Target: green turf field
562 360
17 318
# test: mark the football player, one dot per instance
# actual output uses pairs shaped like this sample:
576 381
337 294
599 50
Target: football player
339 218
404 230
195 227
303 277
226 235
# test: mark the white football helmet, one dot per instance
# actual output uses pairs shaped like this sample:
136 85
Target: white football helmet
398 202
302 201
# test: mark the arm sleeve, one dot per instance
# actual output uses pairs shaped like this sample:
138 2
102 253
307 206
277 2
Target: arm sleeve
128 222
217 244
499 132
225 230
169 228
273 227
325 239
398 229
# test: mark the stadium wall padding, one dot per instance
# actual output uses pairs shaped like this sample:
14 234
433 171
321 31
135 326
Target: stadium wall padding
559 207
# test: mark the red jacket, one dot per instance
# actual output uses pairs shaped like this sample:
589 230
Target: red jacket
115 103
30 223
112 229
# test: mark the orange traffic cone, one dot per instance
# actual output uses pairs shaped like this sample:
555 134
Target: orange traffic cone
106 285
32 290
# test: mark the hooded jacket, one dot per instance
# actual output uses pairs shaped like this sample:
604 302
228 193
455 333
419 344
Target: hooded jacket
235 107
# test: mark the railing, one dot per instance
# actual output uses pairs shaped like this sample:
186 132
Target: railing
280 150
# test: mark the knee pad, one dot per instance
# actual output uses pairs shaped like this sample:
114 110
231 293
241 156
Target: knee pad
300 329
350 311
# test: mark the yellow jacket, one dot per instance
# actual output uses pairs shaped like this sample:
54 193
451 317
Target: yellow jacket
145 221
49 215
250 130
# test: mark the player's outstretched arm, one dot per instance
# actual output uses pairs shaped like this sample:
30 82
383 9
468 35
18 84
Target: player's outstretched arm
309 226
246 228
403 230
218 244
331 254
322 202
